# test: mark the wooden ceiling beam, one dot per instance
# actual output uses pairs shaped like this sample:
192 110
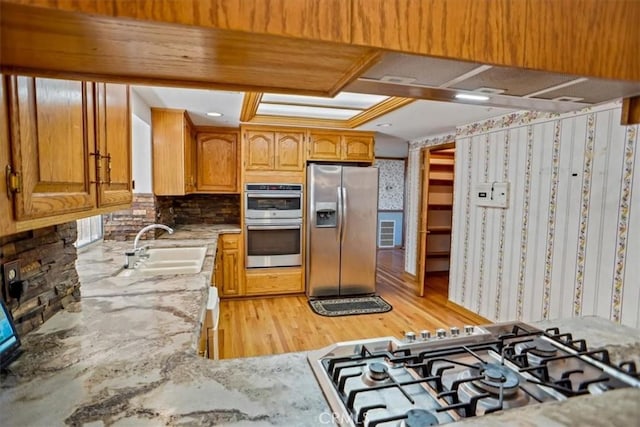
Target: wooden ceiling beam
594 38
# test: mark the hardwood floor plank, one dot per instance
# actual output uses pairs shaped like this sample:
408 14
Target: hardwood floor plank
274 325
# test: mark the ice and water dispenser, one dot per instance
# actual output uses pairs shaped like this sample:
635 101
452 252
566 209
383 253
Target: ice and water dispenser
326 215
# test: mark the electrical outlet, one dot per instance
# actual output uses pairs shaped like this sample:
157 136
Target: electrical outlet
11 277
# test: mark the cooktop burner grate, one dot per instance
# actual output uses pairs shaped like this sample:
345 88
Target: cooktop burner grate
439 380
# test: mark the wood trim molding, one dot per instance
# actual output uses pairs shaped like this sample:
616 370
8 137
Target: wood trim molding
391 158
360 66
630 111
299 121
378 110
250 104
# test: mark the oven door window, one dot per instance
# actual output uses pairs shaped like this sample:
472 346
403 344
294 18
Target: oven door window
279 203
270 241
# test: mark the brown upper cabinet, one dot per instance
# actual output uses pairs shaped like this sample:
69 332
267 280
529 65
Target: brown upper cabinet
341 146
113 131
273 149
174 152
70 149
218 161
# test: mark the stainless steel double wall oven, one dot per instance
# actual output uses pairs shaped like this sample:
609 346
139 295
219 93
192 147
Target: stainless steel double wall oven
273 222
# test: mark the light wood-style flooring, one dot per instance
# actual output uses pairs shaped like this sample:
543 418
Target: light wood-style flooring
263 326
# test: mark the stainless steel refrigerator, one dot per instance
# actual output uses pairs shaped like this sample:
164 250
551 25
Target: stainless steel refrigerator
342 218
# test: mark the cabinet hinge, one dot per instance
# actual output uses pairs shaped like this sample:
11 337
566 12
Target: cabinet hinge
14 181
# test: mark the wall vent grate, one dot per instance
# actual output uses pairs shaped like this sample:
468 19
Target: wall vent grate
386 234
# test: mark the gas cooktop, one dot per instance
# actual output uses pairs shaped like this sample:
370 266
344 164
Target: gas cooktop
425 380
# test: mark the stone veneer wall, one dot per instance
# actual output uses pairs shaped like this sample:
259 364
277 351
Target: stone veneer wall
125 224
199 209
47 257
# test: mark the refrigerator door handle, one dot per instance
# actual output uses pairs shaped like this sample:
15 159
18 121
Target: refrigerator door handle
339 195
344 213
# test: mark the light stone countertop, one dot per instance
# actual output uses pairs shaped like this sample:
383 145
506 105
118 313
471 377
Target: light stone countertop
126 355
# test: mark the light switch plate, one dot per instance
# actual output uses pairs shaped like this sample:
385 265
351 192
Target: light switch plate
492 194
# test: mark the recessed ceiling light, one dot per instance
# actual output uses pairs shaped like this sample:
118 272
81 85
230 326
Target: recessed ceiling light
214 114
471 97
384 125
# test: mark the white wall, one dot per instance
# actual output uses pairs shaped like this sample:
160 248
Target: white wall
141 144
569 242
140 108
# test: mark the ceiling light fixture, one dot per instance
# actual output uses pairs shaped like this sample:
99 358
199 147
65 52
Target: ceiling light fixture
470 97
214 114
384 125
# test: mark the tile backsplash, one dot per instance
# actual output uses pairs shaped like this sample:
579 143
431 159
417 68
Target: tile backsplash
198 209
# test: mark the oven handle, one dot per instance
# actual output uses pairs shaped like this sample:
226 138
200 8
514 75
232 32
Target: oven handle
273 196
274 227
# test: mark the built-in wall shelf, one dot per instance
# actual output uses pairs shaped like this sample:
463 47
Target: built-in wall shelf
439 167
438 254
436 229
441 175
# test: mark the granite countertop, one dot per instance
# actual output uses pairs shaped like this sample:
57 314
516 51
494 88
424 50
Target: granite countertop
126 355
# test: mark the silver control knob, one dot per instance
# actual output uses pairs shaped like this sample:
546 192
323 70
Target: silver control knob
441 333
410 336
455 331
468 329
425 335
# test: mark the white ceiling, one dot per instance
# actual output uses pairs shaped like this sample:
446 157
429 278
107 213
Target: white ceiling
418 119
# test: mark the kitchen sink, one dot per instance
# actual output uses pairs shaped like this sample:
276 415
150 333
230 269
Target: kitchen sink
169 260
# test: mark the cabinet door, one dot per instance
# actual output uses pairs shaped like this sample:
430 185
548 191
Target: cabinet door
189 141
289 151
7 225
217 162
357 147
52 140
324 146
229 265
230 283
168 151
259 148
114 142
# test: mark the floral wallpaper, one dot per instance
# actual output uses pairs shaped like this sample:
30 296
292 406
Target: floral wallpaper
564 246
391 184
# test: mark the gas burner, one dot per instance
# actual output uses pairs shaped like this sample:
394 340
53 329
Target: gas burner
385 381
493 376
496 377
419 418
376 373
537 350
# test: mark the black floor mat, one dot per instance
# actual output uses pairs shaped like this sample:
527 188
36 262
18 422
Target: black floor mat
347 306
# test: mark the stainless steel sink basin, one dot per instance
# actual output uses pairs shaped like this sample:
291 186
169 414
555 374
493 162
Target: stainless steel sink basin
170 260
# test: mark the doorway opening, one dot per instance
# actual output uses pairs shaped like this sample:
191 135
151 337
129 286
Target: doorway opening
436 211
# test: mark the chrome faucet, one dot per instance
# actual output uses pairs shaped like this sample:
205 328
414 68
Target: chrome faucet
132 256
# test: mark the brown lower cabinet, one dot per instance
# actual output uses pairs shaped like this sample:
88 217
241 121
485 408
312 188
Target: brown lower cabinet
233 280
272 281
229 266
